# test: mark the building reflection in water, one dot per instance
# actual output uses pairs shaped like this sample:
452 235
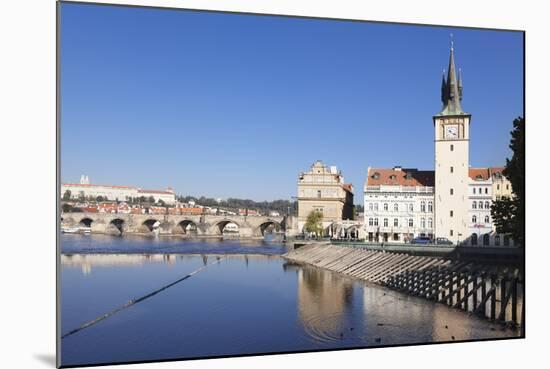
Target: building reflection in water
324 301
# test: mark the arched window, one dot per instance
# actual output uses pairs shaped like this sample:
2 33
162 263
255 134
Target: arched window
474 239
487 219
474 205
506 240
422 222
423 206
411 223
385 207
376 222
395 207
318 193
376 206
480 204
395 222
474 190
485 239
497 240
430 206
430 223
474 219
370 206
487 205
411 207
370 222
385 222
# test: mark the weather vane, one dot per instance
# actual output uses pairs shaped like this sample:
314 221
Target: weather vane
452 42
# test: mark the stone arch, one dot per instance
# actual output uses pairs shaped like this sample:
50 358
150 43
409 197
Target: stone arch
86 222
150 225
187 227
473 239
220 227
117 225
486 239
269 226
352 231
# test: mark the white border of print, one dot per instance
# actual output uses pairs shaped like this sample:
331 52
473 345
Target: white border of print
27 145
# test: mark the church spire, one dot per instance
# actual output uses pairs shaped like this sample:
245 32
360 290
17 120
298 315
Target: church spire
451 89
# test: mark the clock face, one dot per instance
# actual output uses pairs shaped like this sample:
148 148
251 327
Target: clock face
451 131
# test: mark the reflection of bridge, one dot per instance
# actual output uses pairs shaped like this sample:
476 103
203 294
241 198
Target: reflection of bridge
193 225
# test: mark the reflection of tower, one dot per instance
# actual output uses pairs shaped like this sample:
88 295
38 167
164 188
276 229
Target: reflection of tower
322 301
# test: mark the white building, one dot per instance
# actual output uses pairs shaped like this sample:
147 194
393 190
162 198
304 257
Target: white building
399 204
114 193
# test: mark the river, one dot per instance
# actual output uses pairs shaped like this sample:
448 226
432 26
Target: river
246 300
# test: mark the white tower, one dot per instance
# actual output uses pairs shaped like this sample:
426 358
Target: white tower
452 138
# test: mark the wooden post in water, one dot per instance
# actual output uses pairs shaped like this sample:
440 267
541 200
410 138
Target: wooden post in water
515 300
466 293
451 289
503 300
474 297
493 298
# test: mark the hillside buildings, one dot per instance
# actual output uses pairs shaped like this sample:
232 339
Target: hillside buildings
323 189
85 190
453 201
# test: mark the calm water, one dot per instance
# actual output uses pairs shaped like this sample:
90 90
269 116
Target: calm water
252 301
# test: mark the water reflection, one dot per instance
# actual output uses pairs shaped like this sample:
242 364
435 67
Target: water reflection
323 303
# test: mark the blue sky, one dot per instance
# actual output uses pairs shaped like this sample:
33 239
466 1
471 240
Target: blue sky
228 105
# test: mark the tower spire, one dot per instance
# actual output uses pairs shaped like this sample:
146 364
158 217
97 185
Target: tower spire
451 89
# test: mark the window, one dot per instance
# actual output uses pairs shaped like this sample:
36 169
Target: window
452 191
411 207
385 207
411 223
452 147
487 205
451 213
451 232
370 206
423 223
498 187
376 222
423 206
480 204
487 219
486 190
474 190
385 222
396 236
318 193
497 240
452 170
474 205
506 240
507 187
395 207
480 190
370 222
376 206
473 239
430 223
430 206
395 222
474 219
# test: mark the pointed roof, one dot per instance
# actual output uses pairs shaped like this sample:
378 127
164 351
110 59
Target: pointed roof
451 89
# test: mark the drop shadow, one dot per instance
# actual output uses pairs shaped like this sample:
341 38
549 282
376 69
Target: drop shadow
48 359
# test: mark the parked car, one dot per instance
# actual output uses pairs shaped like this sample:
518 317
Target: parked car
421 241
443 241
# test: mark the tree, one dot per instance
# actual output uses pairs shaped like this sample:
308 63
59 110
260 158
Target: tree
67 195
314 223
509 214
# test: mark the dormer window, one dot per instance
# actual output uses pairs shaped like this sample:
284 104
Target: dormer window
408 175
376 175
479 177
393 177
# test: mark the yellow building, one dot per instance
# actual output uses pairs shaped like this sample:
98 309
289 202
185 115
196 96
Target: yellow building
323 189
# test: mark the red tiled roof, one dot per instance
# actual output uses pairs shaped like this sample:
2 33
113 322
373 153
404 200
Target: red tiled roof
156 191
479 174
495 170
394 177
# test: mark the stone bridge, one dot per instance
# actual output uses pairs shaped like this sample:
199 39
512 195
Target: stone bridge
192 225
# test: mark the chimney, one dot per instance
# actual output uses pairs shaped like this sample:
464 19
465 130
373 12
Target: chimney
397 168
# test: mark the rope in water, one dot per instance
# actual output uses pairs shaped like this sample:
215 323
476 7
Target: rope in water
135 301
